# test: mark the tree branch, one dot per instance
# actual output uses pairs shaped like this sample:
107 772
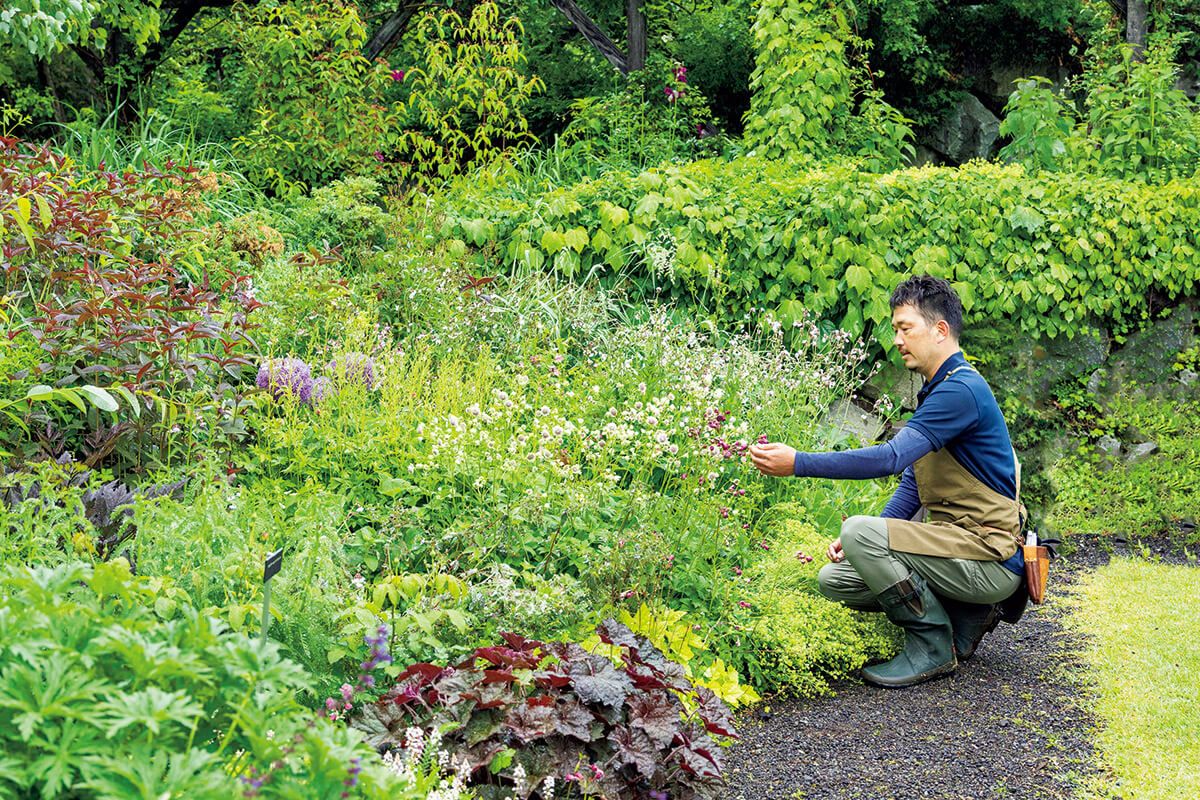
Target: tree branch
591 31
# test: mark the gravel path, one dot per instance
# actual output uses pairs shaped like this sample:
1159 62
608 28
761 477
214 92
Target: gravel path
1010 723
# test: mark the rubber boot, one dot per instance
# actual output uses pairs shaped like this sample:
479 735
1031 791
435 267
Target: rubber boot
928 639
971 622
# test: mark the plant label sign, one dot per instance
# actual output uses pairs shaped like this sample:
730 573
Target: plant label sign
272 565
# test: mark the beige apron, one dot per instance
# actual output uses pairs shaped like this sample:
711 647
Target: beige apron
964 518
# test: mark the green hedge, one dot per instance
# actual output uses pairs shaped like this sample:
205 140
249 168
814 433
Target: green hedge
748 236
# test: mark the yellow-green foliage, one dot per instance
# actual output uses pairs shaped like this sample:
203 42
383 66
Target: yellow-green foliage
1139 619
802 640
675 635
1050 250
809 100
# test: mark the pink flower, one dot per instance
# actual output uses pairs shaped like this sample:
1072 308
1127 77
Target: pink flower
764 545
681 74
672 93
724 512
379 156
743 604
597 773
627 594
762 439
397 75
737 570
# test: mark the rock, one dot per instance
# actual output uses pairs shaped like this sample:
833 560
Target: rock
967 131
1189 79
1001 81
1140 452
1148 356
1019 366
846 420
895 381
1109 446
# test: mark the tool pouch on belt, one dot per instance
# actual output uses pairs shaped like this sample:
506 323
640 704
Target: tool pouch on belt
1038 553
1037 570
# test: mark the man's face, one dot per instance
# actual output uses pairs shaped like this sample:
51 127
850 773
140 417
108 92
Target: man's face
918 341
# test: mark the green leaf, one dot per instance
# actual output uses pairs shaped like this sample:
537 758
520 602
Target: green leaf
100 398
858 278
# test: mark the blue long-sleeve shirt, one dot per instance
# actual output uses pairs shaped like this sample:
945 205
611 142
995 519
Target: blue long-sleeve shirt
962 416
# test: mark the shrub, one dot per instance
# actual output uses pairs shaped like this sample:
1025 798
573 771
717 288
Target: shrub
1137 124
115 686
752 237
113 287
527 715
808 100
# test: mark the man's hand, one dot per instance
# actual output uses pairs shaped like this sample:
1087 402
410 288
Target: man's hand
835 551
774 458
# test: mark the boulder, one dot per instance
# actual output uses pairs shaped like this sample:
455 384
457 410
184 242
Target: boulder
897 382
1108 446
1148 356
1028 369
1140 452
967 131
1001 80
845 420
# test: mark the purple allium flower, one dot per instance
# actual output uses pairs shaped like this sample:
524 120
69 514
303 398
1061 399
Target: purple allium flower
353 368
286 376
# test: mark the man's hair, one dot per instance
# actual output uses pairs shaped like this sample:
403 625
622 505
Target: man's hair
934 298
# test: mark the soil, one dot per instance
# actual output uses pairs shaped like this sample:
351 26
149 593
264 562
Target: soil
1010 723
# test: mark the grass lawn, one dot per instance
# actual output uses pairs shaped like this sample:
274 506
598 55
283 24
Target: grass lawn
1141 621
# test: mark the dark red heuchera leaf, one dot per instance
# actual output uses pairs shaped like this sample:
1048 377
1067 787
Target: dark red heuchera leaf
657 714
575 720
617 634
532 720
715 715
596 680
507 657
697 755
635 749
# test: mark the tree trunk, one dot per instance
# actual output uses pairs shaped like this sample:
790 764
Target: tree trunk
46 84
635 22
1136 24
596 37
392 29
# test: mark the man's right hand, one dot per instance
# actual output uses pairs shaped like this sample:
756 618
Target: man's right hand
835 551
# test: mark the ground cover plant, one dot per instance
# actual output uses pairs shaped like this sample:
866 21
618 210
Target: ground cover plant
1113 495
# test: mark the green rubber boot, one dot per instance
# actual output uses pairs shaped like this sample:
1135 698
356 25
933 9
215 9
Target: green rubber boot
928 639
971 622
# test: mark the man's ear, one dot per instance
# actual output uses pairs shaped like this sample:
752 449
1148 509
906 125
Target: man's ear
943 328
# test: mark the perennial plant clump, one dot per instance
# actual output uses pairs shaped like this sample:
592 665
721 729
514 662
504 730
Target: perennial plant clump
526 716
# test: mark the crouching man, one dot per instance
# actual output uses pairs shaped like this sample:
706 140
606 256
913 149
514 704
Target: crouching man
940 578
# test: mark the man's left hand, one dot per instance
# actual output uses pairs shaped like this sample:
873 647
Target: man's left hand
774 458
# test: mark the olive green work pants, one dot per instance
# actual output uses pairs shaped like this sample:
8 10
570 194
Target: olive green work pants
871 566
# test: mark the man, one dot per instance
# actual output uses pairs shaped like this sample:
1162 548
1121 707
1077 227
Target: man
958 468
